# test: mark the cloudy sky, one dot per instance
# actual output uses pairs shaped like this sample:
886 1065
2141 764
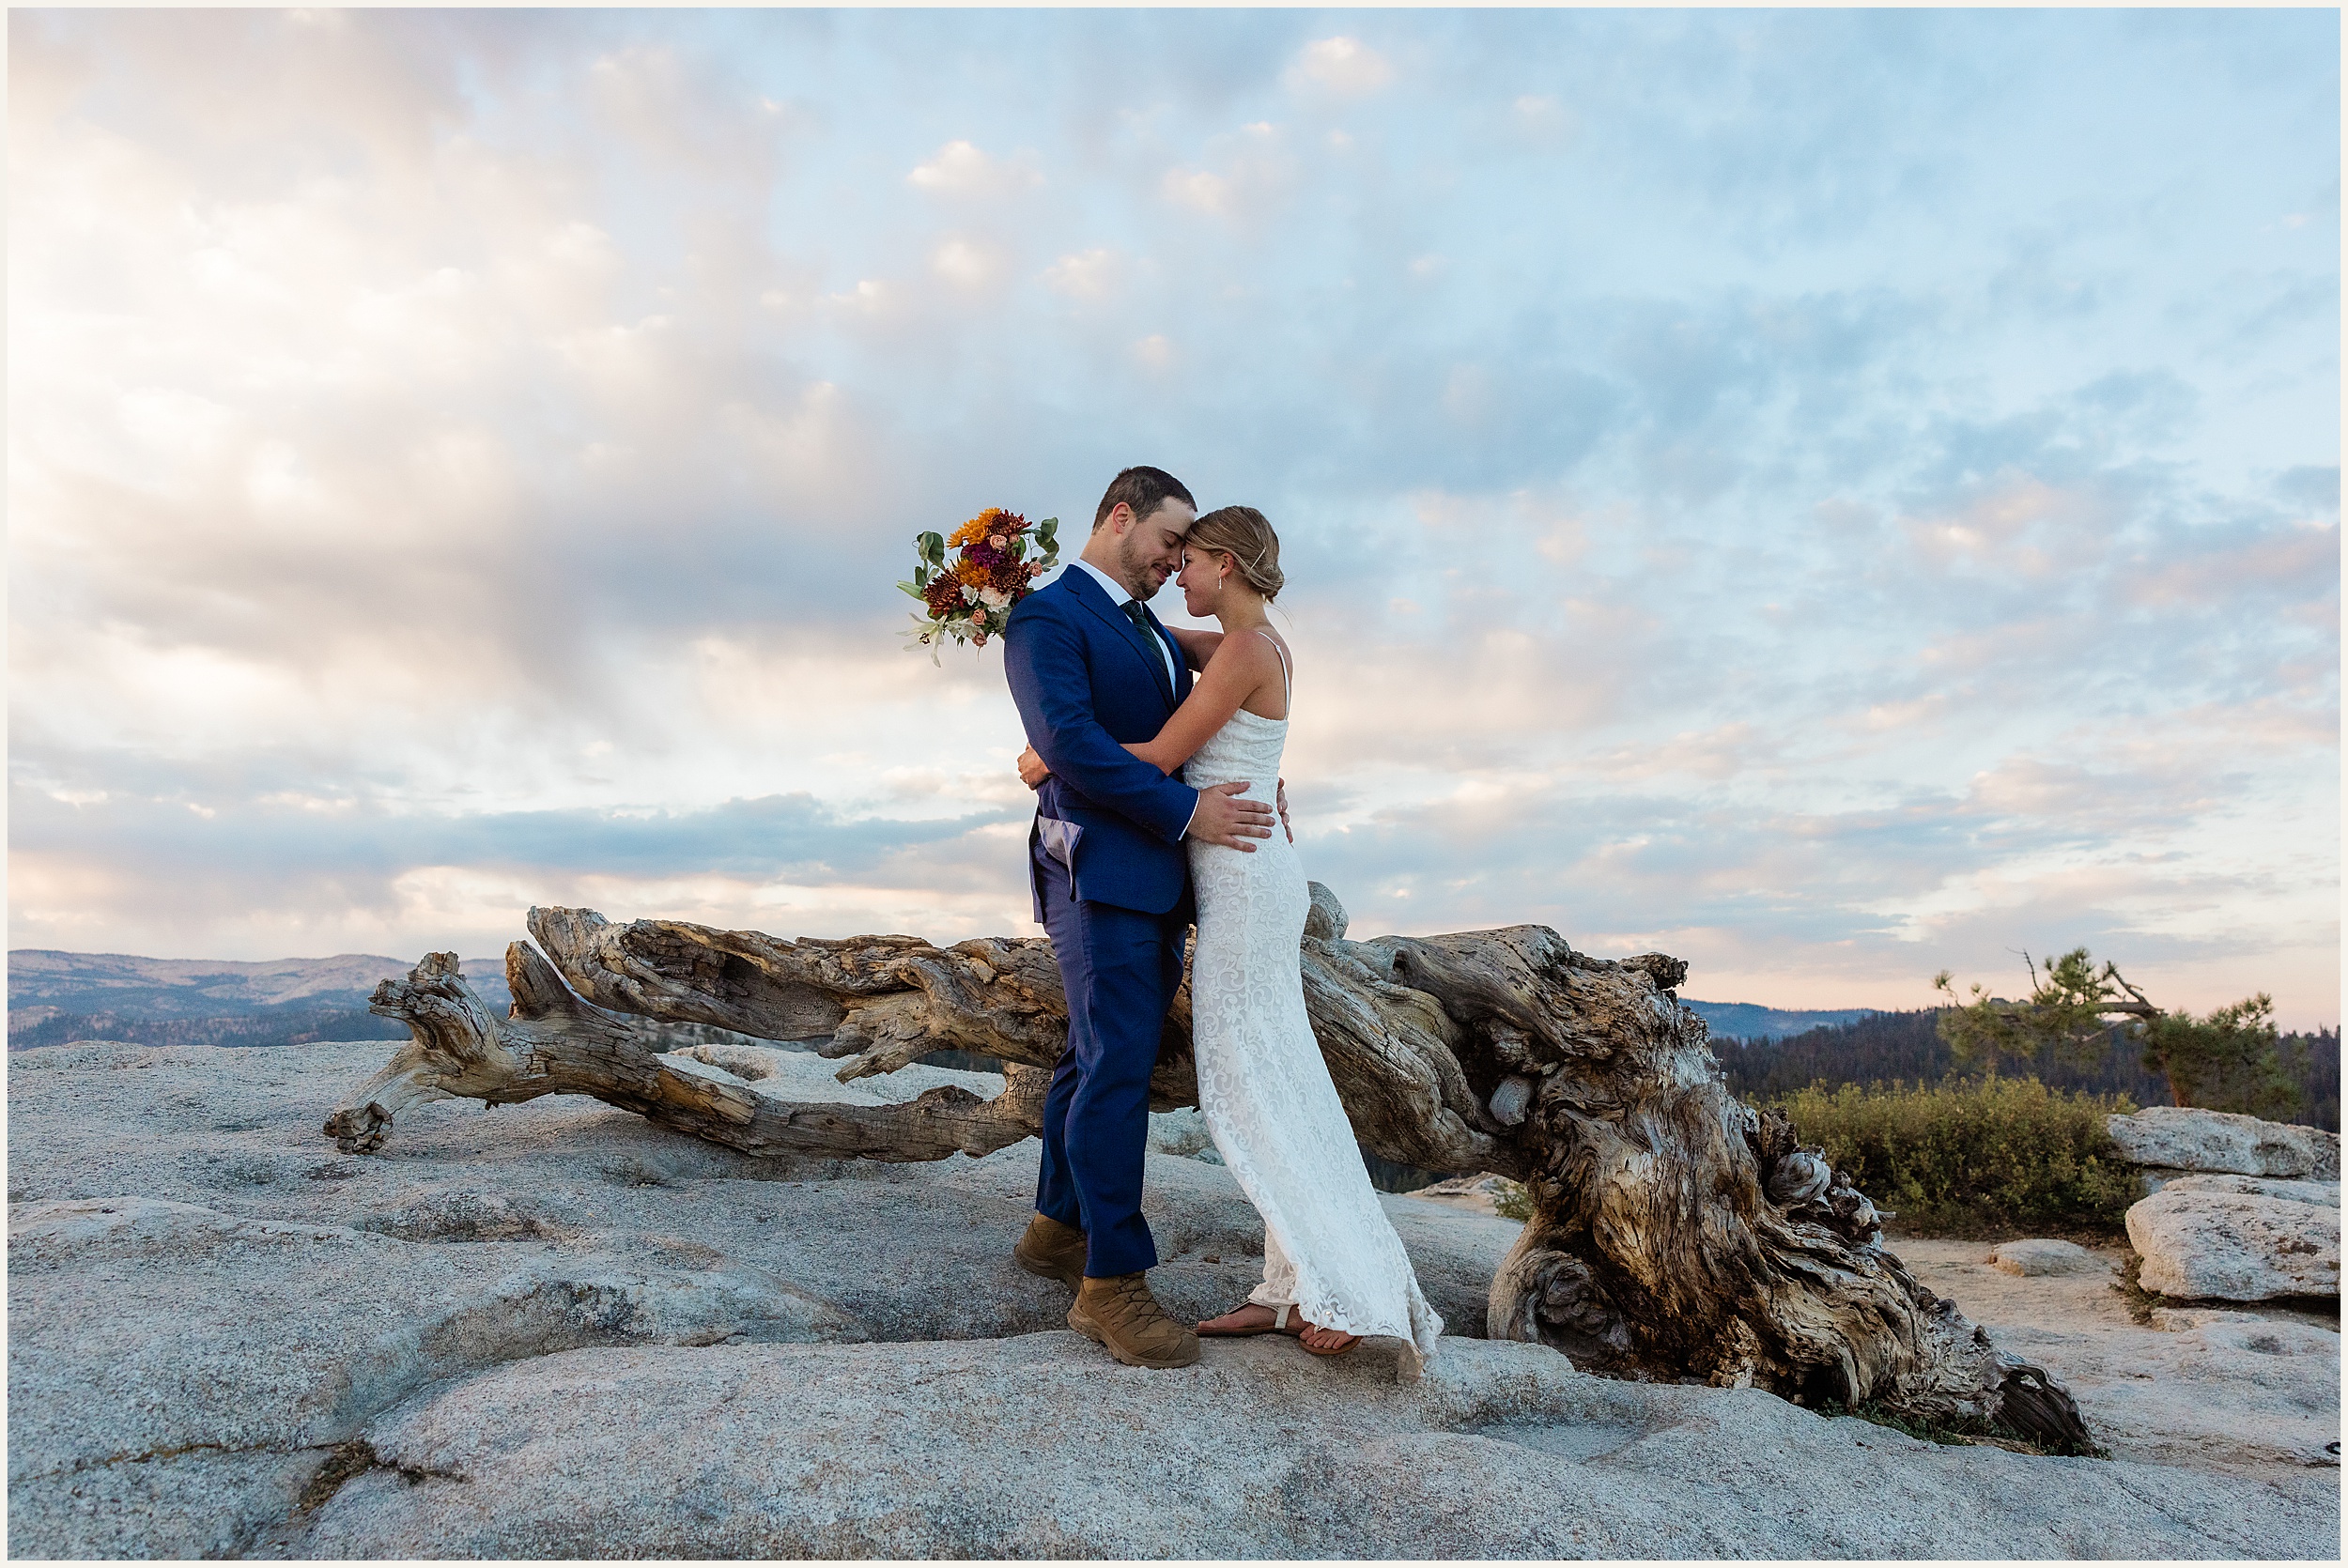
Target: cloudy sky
1828 495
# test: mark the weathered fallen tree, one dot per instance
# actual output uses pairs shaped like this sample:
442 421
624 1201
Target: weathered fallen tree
1676 1234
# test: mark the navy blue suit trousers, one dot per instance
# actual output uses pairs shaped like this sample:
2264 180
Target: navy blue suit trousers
1121 968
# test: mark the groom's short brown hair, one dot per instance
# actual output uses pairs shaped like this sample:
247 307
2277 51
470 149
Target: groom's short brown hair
1143 490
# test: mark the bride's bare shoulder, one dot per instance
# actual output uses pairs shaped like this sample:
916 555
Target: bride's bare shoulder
1267 654
1242 653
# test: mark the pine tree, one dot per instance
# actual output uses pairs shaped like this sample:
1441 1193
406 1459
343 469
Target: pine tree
2229 1059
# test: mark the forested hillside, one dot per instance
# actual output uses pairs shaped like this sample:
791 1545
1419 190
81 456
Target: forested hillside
1908 1047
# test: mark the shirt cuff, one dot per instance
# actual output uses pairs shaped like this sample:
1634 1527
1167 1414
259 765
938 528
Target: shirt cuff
1187 821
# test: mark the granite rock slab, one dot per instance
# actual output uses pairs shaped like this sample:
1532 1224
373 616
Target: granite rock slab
2037 1255
2237 1238
2169 1138
555 1327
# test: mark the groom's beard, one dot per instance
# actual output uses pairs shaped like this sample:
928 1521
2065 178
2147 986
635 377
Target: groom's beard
1142 577
1137 566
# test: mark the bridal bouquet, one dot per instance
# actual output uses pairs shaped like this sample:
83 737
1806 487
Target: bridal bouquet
970 596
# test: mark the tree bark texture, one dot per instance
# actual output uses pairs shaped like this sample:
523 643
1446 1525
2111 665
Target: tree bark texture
1677 1233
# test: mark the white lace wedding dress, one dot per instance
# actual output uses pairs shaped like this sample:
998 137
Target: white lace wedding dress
1329 1250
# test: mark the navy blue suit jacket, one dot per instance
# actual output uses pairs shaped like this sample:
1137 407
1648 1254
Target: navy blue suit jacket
1087 681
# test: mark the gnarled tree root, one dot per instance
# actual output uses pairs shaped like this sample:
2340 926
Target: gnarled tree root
554 1043
1677 1233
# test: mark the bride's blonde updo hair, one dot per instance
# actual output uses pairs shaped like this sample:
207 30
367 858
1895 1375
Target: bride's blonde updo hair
1243 533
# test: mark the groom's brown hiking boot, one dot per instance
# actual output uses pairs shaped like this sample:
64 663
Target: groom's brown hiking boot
1121 1313
1055 1251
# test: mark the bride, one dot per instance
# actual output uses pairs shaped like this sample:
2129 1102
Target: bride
1334 1271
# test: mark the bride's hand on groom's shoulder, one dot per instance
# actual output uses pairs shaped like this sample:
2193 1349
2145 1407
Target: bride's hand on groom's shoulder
1225 818
1032 773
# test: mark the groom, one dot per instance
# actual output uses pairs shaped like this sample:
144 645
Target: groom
1091 669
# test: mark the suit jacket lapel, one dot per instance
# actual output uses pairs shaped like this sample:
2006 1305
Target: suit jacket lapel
1095 598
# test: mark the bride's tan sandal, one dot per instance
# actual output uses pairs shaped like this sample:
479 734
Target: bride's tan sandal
1272 1322
1282 1320
1347 1341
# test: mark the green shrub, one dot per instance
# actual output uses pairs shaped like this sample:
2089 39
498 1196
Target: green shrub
1971 1156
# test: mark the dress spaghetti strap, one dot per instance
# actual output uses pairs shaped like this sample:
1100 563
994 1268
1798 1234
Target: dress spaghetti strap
1288 683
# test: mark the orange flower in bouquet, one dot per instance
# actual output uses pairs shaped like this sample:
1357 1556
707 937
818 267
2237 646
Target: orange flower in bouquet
969 596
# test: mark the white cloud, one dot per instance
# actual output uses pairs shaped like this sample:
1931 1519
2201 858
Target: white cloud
961 169
1255 185
1198 190
870 297
1542 119
1345 67
2299 560
966 264
2018 522
1091 274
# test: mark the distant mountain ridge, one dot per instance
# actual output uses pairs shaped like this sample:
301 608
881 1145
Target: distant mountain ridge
56 996
1746 1021
211 988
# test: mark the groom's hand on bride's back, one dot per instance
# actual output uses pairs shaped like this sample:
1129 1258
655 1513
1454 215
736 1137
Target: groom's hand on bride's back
1032 773
1223 818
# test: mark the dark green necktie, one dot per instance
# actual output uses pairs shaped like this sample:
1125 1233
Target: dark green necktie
1140 619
